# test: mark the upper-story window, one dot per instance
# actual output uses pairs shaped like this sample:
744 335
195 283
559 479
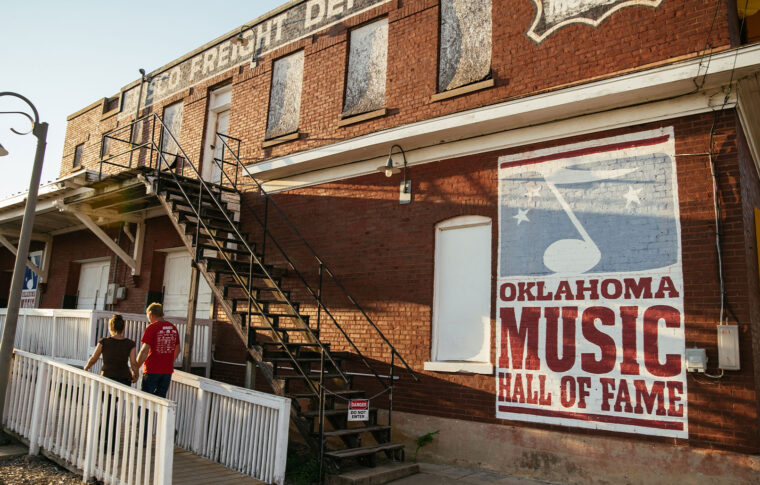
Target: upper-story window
465 43
171 131
367 61
285 95
78 151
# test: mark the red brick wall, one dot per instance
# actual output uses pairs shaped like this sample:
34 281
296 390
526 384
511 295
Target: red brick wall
750 191
629 39
75 246
383 253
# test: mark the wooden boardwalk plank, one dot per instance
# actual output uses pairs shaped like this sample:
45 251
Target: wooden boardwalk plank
191 469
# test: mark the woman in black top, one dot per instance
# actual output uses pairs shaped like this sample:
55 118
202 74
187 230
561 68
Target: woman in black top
117 350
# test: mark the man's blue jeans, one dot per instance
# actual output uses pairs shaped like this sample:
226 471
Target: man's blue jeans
156 384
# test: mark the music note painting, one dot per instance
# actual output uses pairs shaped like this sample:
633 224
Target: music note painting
590 287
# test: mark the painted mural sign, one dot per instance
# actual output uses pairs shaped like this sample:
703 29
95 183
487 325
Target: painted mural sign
590 287
552 15
288 26
31 281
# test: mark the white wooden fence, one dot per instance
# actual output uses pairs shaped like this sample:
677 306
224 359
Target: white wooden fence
71 413
72 335
244 430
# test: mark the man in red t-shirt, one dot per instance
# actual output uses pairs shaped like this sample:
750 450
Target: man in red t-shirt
160 346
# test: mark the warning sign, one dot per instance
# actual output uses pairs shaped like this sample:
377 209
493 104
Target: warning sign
358 410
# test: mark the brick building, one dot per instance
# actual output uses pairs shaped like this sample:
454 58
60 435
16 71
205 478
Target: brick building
589 168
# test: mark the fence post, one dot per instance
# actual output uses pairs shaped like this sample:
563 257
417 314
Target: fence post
281 452
200 418
91 451
53 348
40 399
165 446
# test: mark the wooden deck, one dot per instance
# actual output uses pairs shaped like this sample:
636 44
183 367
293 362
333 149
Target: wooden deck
190 469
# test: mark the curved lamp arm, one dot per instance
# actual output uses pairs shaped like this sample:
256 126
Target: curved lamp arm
34 121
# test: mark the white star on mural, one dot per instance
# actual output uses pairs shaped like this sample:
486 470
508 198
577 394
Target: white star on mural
533 191
522 215
632 196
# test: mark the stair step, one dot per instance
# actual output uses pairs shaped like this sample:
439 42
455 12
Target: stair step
258 287
305 359
221 226
383 473
356 430
314 376
170 182
332 412
296 344
240 250
207 215
283 329
363 451
341 392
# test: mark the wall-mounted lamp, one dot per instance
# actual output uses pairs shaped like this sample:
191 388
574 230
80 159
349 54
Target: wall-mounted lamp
239 39
405 189
3 151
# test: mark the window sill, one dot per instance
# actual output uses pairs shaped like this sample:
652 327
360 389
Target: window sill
488 83
460 366
362 117
280 139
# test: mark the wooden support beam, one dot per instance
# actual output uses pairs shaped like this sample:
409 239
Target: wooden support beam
46 257
192 300
36 236
5 242
139 242
95 229
129 233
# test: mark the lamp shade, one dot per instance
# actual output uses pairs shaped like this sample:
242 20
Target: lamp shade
3 151
388 168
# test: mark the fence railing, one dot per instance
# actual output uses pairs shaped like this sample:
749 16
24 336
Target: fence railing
244 430
54 333
72 335
136 323
109 431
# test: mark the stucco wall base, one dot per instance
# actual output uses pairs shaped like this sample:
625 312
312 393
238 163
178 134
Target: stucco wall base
568 458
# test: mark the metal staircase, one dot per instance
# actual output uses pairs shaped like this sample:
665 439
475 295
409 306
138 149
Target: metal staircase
276 312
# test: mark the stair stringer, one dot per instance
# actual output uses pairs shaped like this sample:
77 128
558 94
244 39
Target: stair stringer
255 352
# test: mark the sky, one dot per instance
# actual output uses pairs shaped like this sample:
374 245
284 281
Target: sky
65 55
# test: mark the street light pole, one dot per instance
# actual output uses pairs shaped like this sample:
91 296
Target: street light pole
39 130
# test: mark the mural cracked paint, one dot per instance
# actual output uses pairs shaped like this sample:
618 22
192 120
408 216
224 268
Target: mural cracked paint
552 15
590 300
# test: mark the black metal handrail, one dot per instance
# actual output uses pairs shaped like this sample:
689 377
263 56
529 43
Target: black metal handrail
322 266
204 188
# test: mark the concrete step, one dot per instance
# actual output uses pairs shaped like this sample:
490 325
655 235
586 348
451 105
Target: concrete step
374 476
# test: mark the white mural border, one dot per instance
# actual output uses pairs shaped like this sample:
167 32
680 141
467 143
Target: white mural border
653 345
538 38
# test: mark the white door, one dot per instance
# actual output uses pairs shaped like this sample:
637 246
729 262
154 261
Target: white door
222 126
462 299
93 284
217 121
177 274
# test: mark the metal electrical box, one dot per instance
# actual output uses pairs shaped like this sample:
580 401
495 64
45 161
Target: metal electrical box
111 293
696 360
728 347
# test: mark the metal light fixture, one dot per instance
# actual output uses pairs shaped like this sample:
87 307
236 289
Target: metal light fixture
405 190
239 39
3 151
39 130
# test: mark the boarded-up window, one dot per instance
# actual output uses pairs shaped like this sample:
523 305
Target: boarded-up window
367 60
465 49
171 131
78 151
285 95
